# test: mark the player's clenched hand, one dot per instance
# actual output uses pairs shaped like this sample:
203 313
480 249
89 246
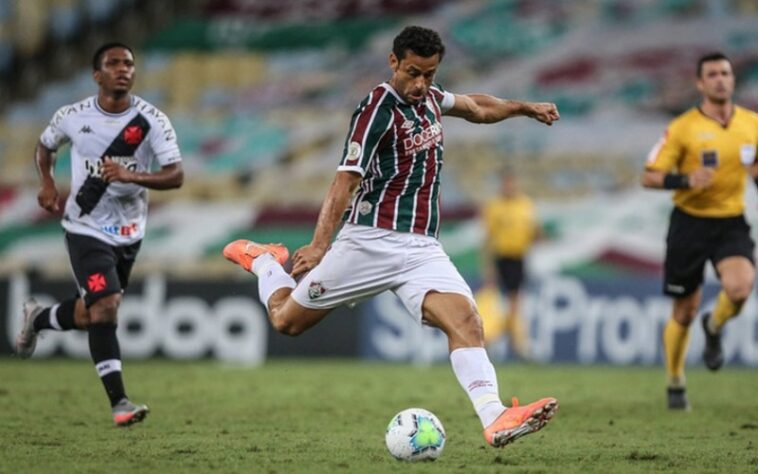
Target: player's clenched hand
545 112
112 171
47 197
306 258
700 178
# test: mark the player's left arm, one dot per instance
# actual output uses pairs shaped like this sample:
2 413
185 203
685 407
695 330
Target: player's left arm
170 176
483 108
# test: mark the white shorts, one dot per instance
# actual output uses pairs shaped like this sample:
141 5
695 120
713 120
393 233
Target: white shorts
364 261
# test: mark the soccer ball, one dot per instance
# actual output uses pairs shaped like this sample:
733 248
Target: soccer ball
415 434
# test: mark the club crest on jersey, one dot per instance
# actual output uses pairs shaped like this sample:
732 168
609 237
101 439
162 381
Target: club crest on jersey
315 289
133 135
364 208
353 153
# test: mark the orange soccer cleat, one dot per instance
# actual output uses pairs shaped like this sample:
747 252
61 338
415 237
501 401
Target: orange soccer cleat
243 252
517 421
126 413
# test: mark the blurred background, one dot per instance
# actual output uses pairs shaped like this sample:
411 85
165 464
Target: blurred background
260 93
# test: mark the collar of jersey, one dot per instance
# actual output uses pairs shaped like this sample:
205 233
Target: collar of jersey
99 109
392 91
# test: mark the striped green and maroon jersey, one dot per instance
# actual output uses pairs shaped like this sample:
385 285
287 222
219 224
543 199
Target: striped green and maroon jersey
397 149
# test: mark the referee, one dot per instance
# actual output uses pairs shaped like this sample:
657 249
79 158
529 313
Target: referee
704 157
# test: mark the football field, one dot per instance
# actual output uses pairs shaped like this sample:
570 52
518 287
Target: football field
329 416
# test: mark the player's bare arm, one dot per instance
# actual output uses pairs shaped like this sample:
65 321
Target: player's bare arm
336 201
47 196
701 178
483 108
168 177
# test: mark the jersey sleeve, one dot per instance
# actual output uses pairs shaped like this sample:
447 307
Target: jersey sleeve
56 134
445 99
369 124
163 141
667 152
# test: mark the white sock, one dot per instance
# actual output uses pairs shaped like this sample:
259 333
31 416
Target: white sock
476 375
271 277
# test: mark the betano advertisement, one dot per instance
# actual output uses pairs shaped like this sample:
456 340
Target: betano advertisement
614 321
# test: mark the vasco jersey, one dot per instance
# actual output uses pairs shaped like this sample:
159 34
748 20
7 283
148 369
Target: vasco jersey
133 138
397 149
694 140
511 225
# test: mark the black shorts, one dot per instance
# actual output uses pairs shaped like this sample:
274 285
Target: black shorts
100 269
510 273
692 241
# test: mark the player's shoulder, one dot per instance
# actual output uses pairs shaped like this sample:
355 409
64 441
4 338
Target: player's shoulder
685 120
148 109
746 114
75 109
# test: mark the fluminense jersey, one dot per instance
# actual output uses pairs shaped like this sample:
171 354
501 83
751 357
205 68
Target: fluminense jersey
133 138
397 149
694 140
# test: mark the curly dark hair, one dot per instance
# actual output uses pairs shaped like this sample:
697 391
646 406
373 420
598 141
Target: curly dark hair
706 58
421 41
97 58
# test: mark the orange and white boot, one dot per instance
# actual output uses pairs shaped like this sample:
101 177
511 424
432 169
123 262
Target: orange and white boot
518 421
243 252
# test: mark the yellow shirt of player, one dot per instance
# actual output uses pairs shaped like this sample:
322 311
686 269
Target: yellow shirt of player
511 225
694 140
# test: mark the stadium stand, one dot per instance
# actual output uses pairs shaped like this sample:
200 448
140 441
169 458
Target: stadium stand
261 93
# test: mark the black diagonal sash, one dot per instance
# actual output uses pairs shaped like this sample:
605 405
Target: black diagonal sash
125 144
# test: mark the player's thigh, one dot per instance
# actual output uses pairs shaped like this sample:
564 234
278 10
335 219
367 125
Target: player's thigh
127 256
94 264
432 272
354 268
456 315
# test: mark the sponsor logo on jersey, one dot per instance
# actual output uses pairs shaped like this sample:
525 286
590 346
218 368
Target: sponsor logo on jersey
85 129
121 230
315 289
353 154
423 140
96 282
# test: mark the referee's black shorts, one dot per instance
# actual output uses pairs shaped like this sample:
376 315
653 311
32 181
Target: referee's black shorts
692 241
510 273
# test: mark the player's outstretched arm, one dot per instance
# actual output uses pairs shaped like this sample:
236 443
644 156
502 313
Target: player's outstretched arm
483 108
47 196
336 201
168 177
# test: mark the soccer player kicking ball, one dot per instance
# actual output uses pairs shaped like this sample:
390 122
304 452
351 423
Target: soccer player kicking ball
115 138
705 156
390 170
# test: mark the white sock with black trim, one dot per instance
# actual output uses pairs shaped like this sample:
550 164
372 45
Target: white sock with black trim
476 374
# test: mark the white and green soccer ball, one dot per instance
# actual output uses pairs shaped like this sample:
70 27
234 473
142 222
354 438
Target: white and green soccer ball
415 434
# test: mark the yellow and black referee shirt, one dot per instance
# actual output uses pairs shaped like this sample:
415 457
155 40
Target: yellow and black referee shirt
511 226
694 140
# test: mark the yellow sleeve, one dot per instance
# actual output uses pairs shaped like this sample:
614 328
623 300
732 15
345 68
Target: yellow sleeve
667 153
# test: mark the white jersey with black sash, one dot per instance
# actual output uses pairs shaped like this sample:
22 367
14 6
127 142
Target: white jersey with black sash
114 213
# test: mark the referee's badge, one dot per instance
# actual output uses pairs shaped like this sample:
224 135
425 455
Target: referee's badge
747 154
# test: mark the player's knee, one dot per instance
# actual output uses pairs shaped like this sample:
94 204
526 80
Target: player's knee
105 310
738 293
471 323
287 326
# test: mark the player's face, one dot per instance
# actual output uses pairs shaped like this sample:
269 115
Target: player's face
716 81
116 73
413 75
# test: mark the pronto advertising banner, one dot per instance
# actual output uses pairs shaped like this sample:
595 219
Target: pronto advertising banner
616 321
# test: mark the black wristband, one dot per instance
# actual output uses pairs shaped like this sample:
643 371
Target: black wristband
676 181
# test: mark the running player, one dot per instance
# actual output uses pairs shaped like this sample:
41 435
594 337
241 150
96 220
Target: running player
390 170
115 137
705 156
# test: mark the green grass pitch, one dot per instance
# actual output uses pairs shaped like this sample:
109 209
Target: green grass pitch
329 416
